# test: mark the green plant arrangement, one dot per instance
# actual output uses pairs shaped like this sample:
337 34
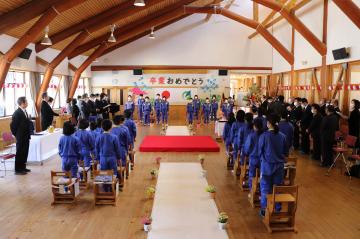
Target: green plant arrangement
210 189
222 220
150 191
154 172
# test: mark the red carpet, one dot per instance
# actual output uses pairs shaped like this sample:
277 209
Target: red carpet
179 144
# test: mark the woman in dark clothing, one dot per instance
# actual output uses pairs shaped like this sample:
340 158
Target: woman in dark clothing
354 120
75 112
329 125
314 131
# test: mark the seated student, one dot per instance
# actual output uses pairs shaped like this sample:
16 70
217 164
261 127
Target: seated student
244 132
314 131
108 148
69 150
99 128
287 129
273 149
234 132
206 108
190 111
226 132
123 134
130 124
251 149
86 140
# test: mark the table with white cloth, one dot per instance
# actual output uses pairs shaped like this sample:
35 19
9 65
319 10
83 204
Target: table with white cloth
44 145
177 131
219 127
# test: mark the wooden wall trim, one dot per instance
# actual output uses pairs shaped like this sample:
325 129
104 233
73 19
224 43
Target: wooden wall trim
175 67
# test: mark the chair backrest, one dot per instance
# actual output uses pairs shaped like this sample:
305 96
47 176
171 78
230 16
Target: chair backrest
7 137
293 190
103 172
344 129
292 159
350 140
59 174
338 135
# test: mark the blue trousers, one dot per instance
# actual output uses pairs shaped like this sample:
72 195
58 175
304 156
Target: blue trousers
213 114
140 113
236 151
190 118
146 117
92 118
70 164
108 163
164 117
206 117
266 185
253 165
86 157
158 115
196 114
123 151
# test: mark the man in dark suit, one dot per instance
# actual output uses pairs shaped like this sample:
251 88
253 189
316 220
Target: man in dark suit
85 108
329 126
20 128
47 114
278 107
304 125
295 117
264 104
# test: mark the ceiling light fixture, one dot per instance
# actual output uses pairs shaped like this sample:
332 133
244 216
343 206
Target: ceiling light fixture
46 40
152 34
139 3
112 38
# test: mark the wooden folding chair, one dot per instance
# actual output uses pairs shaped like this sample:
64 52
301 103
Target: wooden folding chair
254 198
64 188
290 171
244 175
105 180
85 175
237 167
122 174
230 160
283 220
132 158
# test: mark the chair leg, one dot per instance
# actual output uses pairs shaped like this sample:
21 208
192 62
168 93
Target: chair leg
333 164
346 166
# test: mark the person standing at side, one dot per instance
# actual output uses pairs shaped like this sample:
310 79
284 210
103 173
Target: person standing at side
47 114
147 109
314 131
304 125
20 128
140 103
190 111
329 125
196 103
164 108
130 106
206 108
214 108
157 108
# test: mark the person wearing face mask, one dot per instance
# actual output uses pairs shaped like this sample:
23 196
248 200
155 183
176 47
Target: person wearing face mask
329 125
104 106
140 103
206 109
232 103
322 105
354 120
314 131
295 117
190 111
270 103
264 104
304 125
157 109
130 105
226 108
147 109
214 108
164 108
196 103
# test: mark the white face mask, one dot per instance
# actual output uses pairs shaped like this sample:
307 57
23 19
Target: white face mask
207 101
352 106
296 104
226 101
313 111
129 99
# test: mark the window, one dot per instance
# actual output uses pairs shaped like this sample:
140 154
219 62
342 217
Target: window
17 84
83 87
56 90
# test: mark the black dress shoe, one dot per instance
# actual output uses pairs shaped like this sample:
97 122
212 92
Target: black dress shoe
20 172
27 170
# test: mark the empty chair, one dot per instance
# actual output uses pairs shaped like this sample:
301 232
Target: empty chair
64 188
105 187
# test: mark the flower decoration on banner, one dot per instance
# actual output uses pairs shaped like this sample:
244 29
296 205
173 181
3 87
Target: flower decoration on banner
353 87
14 85
210 85
186 95
138 91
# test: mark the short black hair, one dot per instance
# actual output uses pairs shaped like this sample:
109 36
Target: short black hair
92 95
85 96
330 108
316 107
127 113
240 116
83 124
106 124
304 100
21 100
141 95
147 97
99 122
206 98
284 114
43 95
51 99
93 126
68 128
281 98
118 119
79 96
158 94
73 101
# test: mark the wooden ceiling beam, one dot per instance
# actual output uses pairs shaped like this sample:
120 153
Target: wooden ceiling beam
351 10
123 30
72 67
289 57
24 13
41 62
255 11
297 24
208 16
98 21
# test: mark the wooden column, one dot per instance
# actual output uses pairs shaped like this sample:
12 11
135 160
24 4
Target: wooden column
324 72
292 72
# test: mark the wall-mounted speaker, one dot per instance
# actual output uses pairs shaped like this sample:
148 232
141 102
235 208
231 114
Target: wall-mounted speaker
138 72
341 53
223 72
25 54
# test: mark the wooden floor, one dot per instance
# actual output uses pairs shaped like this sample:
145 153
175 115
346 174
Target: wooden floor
329 207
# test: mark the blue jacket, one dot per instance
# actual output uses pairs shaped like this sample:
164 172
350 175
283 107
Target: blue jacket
69 147
86 140
264 122
129 106
226 133
287 129
206 107
132 129
272 149
251 147
214 106
226 109
99 130
146 107
234 132
107 145
124 137
157 104
164 106
189 108
243 134
196 104
140 102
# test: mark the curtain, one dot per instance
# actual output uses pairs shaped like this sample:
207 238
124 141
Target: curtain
35 81
67 84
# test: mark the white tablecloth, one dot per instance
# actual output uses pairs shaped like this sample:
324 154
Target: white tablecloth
177 130
182 209
44 146
219 128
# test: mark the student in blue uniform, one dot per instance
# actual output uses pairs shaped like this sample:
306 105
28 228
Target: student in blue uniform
164 108
130 124
130 105
95 135
86 140
108 148
273 149
99 128
232 103
214 108
251 149
196 103
190 111
262 117
147 109
243 134
226 108
157 108
69 150
140 103
123 134
206 108
287 129
227 130
234 132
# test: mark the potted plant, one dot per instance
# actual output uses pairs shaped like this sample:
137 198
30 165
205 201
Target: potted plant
158 159
153 173
146 221
222 220
211 190
201 158
150 191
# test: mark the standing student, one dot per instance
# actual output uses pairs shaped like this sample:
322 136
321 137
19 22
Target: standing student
206 108
226 132
85 108
287 129
130 106
231 103
329 125
20 128
314 131
164 108
147 109
304 125
69 150
108 148
214 108
190 111
123 134
272 150
99 128
226 108
251 149
157 108
86 140
244 132
47 114
354 120
234 132
130 124
196 103
94 134
140 103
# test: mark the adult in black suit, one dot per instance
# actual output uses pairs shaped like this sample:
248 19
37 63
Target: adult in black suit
322 105
264 104
20 128
103 103
304 125
295 117
278 107
92 106
85 108
47 114
329 126
314 131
